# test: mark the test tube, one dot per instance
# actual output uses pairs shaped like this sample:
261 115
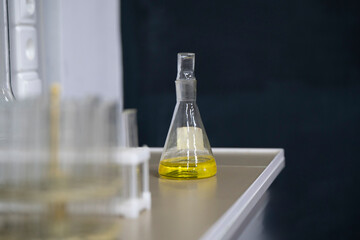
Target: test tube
130 130
83 156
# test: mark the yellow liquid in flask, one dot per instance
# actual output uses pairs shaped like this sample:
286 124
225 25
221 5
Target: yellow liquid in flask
191 167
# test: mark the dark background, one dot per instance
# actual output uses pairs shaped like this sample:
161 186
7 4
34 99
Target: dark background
270 74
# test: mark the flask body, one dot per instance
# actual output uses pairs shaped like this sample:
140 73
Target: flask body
187 153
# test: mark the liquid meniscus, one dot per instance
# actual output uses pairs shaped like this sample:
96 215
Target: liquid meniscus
184 167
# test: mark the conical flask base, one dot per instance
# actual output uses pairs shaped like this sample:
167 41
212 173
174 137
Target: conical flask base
184 167
187 153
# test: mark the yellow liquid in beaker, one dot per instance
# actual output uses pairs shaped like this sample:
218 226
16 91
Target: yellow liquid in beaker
192 167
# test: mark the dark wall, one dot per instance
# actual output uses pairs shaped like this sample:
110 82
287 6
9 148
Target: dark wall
270 74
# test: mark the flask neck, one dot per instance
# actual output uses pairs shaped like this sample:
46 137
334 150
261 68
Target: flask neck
185 90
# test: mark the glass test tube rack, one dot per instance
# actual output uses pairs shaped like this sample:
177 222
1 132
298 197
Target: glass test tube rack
62 173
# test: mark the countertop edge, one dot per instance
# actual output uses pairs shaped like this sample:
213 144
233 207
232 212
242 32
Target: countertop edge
227 224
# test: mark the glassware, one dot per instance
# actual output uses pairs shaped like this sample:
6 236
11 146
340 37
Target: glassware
187 153
5 91
58 179
130 128
5 88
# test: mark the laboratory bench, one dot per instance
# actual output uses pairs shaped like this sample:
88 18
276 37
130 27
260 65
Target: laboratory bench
229 205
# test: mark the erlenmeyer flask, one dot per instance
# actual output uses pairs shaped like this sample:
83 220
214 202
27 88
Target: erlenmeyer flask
187 153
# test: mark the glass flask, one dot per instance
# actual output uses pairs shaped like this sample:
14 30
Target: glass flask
187 153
